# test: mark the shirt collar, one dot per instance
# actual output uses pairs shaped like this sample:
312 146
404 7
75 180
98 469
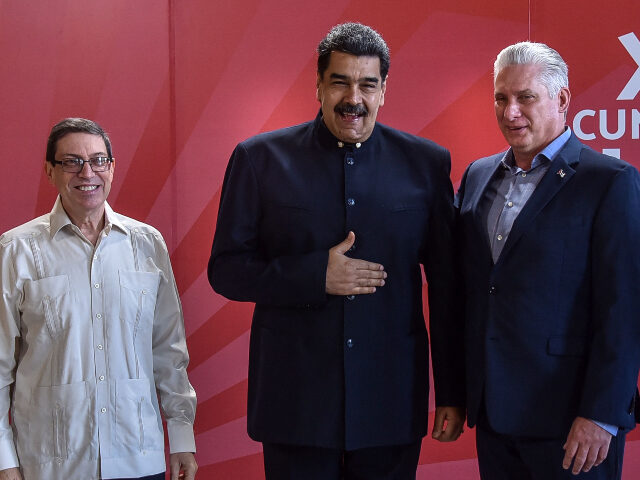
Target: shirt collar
59 219
547 155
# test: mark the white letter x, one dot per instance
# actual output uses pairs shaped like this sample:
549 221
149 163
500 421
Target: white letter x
632 44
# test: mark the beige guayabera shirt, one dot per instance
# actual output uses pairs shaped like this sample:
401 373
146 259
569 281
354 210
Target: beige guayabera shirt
88 335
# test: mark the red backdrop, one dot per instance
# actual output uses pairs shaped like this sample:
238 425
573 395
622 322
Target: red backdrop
178 83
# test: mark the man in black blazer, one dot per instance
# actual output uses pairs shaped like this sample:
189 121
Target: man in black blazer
549 234
324 226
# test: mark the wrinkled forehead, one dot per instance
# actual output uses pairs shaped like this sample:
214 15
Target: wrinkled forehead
74 143
518 77
347 64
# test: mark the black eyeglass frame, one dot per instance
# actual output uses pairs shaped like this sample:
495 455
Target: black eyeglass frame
79 164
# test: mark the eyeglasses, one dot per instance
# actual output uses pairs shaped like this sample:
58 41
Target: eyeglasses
75 165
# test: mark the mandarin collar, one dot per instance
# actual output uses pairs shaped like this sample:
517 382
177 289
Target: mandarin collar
329 141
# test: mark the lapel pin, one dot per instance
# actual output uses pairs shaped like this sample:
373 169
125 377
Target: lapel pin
561 173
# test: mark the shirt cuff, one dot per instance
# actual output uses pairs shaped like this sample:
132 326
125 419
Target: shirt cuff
8 457
612 429
181 437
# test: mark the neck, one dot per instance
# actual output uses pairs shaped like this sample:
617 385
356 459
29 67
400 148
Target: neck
89 223
523 161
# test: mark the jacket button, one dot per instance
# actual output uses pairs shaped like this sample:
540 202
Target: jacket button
350 343
492 290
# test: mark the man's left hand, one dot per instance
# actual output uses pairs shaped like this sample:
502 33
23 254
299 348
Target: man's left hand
454 417
183 466
587 445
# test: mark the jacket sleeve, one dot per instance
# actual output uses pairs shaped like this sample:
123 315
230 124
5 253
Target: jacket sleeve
170 358
614 353
446 322
9 340
238 268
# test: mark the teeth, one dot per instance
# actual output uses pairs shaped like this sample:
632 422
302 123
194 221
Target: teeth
87 188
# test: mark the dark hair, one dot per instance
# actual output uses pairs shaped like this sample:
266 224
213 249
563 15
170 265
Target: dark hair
74 125
356 39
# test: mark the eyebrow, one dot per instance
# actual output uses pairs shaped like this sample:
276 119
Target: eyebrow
337 76
75 155
520 92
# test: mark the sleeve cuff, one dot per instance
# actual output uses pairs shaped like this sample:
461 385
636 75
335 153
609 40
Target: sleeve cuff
181 437
8 456
612 429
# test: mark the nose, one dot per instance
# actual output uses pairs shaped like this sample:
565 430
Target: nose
353 95
512 111
87 171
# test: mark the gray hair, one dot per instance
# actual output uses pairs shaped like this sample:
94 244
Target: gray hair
554 74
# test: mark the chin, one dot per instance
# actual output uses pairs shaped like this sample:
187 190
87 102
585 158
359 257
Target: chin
350 137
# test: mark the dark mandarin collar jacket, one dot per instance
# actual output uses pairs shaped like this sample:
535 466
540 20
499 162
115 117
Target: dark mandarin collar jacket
333 371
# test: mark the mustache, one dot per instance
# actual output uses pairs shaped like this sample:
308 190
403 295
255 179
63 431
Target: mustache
347 108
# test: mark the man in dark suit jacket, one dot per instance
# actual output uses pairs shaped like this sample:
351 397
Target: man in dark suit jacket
549 237
324 226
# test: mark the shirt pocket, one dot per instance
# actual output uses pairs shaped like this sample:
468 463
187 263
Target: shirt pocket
44 305
137 423
56 423
138 293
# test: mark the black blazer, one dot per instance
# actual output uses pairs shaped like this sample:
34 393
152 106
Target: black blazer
553 329
332 371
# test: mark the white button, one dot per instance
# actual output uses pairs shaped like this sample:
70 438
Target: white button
524 174
103 410
98 315
499 237
100 347
340 145
509 204
144 292
358 145
97 285
95 257
101 378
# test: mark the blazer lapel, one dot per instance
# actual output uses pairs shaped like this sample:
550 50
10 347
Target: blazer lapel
558 175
